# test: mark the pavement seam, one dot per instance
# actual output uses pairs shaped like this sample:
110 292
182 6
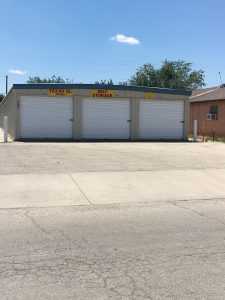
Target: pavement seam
177 169
80 189
111 204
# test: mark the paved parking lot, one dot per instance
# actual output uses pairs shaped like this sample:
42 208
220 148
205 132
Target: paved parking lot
26 158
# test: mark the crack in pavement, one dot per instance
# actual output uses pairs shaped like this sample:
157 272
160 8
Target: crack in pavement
35 223
41 228
121 276
90 264
88 273
80 189
196 212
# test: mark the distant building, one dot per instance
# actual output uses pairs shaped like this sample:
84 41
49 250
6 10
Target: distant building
208 108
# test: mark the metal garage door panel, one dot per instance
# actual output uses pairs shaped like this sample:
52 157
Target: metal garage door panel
105 118
46 117
161 119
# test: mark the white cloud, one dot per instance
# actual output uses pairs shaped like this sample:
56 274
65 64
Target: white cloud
17 72
121 38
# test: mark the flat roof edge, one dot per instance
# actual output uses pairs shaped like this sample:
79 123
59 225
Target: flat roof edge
206 100
97 86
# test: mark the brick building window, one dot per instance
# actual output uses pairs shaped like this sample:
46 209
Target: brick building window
213 112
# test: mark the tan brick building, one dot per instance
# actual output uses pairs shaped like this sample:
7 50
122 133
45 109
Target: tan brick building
208 108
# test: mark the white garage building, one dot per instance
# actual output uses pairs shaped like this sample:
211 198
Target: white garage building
95 112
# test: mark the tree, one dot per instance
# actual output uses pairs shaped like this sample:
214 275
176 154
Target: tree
52 79
105 82
124 83
1 97
172 74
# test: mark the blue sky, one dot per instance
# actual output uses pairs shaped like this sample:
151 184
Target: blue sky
89 40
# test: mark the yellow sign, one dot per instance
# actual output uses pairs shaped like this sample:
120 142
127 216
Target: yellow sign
103 93
59 92
149 96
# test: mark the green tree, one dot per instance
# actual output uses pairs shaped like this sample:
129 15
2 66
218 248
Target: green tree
52 79
172 74
1 97
124 83
105 82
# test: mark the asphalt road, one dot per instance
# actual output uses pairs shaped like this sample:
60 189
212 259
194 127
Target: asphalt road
161 251
112 221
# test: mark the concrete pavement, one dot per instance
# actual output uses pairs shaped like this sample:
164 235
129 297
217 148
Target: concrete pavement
54 158
39 190
131 187
93 188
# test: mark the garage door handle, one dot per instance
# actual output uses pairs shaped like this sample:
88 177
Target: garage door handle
182 122
71 120
129 121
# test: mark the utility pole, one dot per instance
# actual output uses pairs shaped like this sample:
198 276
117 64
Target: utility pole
221 81
6 84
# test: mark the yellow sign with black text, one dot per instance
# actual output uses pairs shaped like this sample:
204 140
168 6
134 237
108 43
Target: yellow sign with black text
149 96
103 93
60 92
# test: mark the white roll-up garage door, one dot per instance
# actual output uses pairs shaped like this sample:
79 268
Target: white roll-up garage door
46 117
161 119
104 118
